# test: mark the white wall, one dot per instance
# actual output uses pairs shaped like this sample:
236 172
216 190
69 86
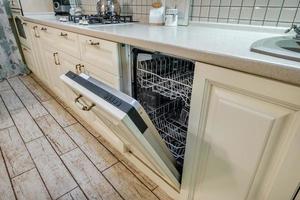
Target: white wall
29 6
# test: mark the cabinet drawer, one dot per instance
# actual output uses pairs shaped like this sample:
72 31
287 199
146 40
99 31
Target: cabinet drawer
101 75
104 54
47 35
62 40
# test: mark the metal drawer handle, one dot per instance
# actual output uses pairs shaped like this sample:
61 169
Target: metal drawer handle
43 29
63 34
81 105
94 43
35 32
78 68
56 60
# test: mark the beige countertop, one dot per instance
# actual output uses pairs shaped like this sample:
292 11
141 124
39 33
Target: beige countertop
222 45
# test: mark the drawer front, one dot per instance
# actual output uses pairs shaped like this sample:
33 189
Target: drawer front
104 54
101 75
62 40
47 35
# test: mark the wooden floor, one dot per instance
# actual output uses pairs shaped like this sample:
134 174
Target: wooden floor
45 153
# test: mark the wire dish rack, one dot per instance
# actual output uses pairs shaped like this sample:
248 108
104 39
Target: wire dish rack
168 76
171 121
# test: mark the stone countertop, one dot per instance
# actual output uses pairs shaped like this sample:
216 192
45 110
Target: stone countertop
222 45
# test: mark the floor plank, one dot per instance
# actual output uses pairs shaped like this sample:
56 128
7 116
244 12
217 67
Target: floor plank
61 142
161 194
36 89
59 113
56 177
11 100
30 186
26 125
31 103
14 151
36 110
24 94
92 182
5 119
4 85
127 184
75 194
97 153
6 191
140 175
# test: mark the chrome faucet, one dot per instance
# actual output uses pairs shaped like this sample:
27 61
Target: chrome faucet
296 29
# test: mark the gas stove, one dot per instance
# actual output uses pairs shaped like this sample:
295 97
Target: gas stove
98 19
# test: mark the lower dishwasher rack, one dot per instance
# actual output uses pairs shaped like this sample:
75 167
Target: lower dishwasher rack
164 89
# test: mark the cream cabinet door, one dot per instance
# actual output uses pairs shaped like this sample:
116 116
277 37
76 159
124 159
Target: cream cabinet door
37 51
59 63
29 59
101 53
101 75
245 126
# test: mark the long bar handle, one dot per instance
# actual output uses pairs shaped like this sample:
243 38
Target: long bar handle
56 60
63 34
35 32
78 68
81 105
94 43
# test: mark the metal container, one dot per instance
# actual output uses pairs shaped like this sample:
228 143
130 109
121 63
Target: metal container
108 7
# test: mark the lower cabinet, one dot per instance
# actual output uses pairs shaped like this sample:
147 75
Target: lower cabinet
29 58
246 126
244 131
59 63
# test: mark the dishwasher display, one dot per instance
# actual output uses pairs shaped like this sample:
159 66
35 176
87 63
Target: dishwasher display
163 86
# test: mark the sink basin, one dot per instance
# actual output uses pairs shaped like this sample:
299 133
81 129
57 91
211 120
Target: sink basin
283 47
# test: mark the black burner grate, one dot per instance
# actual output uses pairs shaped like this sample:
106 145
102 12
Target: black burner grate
98 19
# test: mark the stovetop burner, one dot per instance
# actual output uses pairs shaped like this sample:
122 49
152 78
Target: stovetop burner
97 19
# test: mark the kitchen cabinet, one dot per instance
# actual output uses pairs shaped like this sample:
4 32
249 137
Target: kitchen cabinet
36 48
243 132
64 41
29 58
58 63
102 52
57 55
99 74
246 126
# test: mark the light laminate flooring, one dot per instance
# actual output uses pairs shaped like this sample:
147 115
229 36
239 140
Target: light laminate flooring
45 153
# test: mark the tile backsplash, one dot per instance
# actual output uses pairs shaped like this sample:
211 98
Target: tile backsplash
252 12
138 8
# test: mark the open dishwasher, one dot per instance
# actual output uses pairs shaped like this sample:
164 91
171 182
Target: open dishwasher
152 115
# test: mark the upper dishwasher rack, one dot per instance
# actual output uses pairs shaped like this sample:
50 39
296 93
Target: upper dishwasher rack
168 76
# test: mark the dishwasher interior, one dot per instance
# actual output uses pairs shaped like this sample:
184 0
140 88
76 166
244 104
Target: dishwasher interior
162 84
